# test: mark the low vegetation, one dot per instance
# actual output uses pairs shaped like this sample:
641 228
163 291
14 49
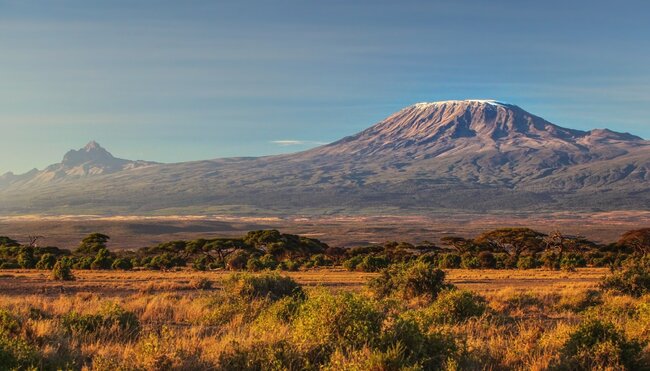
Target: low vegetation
408 318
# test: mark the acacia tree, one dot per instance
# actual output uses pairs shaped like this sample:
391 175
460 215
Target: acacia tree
560 243
460 244
638 239
512 241
93 243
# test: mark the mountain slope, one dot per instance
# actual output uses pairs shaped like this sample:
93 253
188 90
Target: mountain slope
453 155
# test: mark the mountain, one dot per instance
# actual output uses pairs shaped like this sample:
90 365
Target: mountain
90 160
470 155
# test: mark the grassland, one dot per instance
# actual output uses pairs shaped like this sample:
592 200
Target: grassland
187 320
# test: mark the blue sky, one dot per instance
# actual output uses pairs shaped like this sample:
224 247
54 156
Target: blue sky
186 80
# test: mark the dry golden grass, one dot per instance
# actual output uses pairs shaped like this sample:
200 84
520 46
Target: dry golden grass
116 283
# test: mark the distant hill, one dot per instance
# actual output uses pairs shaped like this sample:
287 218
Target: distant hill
471 155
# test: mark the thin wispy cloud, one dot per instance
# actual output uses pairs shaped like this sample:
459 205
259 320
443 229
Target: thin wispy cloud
291 142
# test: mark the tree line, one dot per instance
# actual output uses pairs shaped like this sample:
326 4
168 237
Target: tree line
504 248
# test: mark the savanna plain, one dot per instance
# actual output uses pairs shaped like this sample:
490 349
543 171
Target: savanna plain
507 299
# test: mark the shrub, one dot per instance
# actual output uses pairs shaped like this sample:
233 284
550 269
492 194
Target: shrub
337 321
321 260
424 348
409 280
102 260
279 355
266 286
62 270
47 261
598 345
9 265
469 261
449 261
352 263
372 263
237 260
200 263
122 264
254 265
633 279
456 306
269 262
16 354
526 262
83 263
486 260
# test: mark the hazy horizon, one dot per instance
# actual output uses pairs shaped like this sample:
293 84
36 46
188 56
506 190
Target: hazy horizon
171 82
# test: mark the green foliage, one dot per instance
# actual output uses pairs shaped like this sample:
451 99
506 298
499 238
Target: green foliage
122 264
93 243
272 356
449 261
238 260
254 264
633 279
62 270
527 262
352 263
486 260
599 345
409 280
337 321
8 242
372 263
26 258
47 261
201 263
455 306
102 260
469 261
265 286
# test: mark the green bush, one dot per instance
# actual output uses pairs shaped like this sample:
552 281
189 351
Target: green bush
421 347
487 260
456 306
254 265
122 264
469 261
372 263
409 280
201 263
526 262
321 260
633 279
83 262
9 265
326 322
62 270
47 261
17 354
352 263
449 261
237 260
102 260
266 286
273 356
599 345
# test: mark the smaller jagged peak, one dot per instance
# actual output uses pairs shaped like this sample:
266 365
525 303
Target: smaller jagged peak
91 152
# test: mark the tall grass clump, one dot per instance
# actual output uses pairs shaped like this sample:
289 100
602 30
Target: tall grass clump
270 286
